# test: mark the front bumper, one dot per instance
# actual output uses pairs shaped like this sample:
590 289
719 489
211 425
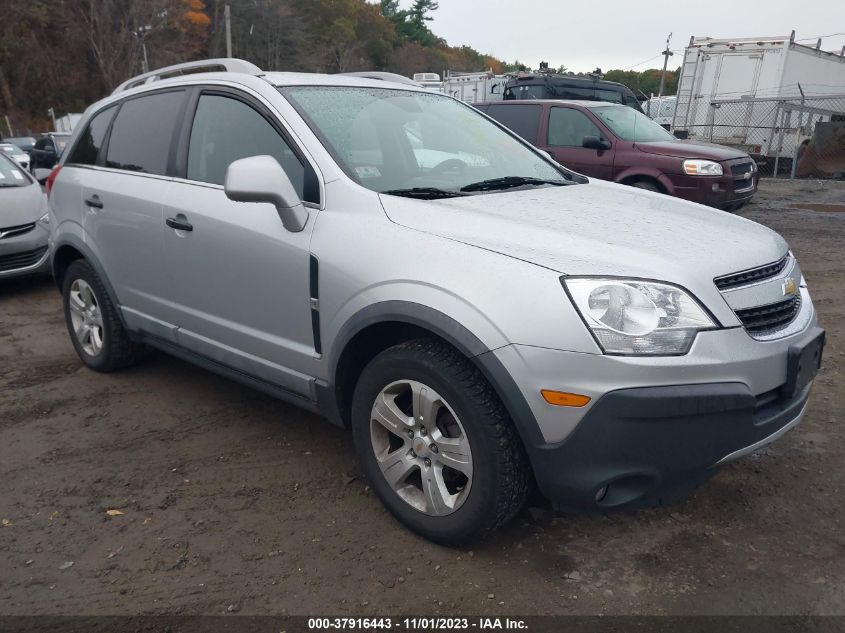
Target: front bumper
722 192
25 254
656 426
647 445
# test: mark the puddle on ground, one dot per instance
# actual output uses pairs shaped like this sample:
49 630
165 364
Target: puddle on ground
819 206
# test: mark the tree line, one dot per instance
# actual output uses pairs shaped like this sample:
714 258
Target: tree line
66 54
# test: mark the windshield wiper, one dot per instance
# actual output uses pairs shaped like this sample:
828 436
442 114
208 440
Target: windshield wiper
508 182
424 193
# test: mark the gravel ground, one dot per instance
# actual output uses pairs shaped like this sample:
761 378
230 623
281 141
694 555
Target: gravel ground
236 503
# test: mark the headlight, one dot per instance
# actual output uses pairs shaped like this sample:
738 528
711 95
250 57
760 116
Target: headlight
633 317
698 167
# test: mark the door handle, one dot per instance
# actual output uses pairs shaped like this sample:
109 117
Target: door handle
179 223
94 202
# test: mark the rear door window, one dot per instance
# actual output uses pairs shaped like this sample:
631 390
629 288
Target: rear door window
227 129
88 147
143 132
568 127
522 119
564 91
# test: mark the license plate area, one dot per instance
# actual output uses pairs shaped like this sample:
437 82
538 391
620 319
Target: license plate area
803 364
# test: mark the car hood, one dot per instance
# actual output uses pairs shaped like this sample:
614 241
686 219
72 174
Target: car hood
692 149
21 205
598 228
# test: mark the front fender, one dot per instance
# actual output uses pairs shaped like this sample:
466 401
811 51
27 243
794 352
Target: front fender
455 334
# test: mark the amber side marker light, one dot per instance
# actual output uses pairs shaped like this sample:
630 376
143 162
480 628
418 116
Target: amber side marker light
563 399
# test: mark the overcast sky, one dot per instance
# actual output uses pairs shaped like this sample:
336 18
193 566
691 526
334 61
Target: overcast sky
623 33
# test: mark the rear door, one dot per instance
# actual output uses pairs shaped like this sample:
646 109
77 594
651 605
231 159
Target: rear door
238 280
123 198
564 136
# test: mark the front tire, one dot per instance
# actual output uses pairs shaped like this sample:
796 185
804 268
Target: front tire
437 444
93 322
647 185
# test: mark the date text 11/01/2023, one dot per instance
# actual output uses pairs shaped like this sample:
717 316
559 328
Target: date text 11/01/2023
417 624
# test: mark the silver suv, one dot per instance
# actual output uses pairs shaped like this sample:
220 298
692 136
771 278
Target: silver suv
481 318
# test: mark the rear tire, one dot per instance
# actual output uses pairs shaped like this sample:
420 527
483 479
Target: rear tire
93 322
458 471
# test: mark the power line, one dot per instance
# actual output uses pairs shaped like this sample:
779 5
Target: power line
644 62
674 50
807 39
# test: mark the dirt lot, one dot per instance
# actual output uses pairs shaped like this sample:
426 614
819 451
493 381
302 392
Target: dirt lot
235 503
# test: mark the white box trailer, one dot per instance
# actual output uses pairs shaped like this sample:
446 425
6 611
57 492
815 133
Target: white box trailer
474 87
729 91
68 122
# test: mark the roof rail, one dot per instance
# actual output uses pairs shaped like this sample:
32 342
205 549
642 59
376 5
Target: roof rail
224 64
383 76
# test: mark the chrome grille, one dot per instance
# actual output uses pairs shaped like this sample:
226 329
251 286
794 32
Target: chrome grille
770 317
16 230
752 275
22 259
740 169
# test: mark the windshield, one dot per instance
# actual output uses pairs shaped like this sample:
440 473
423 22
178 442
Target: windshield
631 125
11 174
403 142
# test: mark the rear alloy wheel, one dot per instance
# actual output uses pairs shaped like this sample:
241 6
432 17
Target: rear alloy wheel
437 444
86 318
93 322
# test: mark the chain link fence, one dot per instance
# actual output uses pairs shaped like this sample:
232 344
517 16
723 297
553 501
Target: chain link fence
789 137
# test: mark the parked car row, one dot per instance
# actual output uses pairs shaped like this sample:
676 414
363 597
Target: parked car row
42 153
479 315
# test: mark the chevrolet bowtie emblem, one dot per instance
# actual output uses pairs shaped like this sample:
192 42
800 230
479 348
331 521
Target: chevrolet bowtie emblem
789 287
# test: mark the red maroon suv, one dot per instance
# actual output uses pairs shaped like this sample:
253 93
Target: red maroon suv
618 143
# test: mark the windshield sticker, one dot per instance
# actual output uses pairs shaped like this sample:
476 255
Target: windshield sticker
367 171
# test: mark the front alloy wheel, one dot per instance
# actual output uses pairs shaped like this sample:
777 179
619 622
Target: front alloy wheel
435 441
421 447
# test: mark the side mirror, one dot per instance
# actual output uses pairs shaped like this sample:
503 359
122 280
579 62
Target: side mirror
594 142
41 175
262 179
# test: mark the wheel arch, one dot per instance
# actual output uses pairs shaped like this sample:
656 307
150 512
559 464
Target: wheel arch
71 248
657 178
380 326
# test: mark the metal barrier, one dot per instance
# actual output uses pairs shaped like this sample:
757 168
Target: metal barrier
795 137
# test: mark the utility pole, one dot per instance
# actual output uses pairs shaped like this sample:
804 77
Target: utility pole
227 16
666 55
141 33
